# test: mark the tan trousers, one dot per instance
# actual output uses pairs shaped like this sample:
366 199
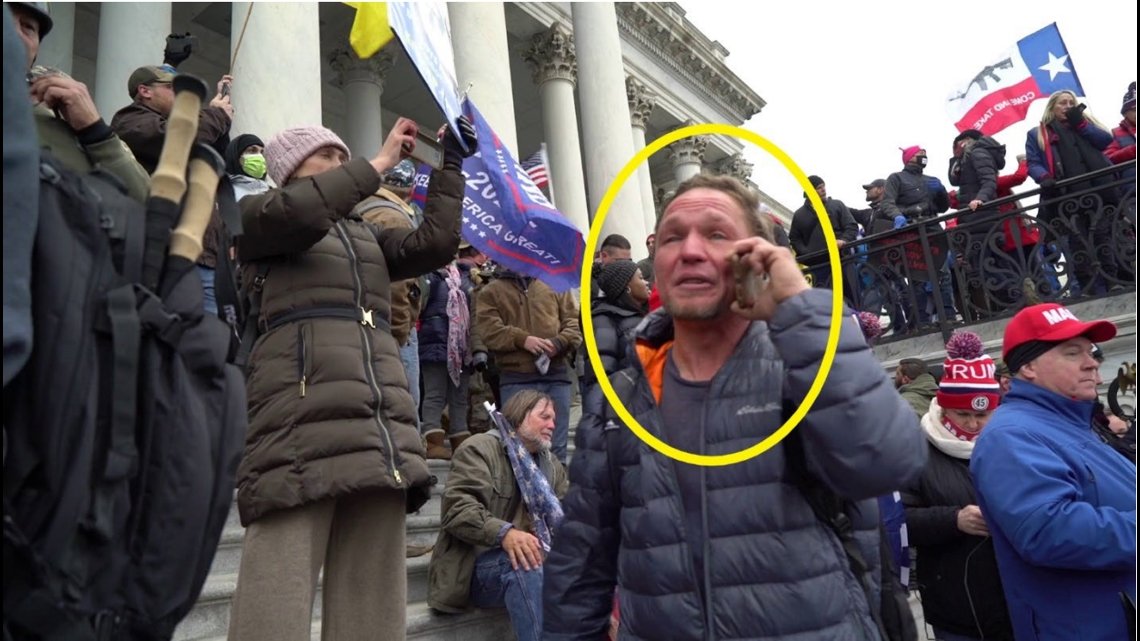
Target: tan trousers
359 540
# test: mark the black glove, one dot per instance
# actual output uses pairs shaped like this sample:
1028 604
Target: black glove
1048 185
178 48
453 152
1075 116
479 360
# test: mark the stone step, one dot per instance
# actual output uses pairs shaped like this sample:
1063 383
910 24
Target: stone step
425 625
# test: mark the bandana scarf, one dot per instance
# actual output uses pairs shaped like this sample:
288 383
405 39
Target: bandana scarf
543 506
458 324
957 432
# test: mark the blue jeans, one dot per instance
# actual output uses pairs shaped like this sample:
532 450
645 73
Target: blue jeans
560 392
410 355
496 584
209 301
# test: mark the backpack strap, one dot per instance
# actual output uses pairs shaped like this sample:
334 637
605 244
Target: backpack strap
831 510
250 329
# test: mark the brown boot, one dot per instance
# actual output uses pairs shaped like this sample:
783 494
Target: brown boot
456 440
435 447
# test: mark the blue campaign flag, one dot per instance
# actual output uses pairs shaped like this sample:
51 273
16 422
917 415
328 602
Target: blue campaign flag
509 219
420 185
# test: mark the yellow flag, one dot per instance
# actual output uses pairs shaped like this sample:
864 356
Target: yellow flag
370 30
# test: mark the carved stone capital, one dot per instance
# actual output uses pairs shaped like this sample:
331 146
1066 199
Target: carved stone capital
735 166
349 68
551 55
641 101
688 150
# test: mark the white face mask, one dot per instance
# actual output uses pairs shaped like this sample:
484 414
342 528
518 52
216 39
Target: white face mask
922 161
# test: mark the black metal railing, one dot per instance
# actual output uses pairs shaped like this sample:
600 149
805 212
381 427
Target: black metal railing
1076 241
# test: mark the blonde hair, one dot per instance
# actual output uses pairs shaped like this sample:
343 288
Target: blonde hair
1049 116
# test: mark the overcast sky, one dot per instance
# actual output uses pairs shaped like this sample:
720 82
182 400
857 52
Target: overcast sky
847 84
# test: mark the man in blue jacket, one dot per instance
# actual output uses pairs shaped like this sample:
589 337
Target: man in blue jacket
1059 502
731 552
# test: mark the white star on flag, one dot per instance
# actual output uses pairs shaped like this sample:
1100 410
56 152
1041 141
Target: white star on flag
482 234
1055 66
474 227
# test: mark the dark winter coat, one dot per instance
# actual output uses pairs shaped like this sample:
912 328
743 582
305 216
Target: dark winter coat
434 323
330 413
957 573
613 334
909 192
772 569
806 236
977 172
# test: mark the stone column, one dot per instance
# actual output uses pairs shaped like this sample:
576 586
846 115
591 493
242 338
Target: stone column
277 70
58 49
363 84
687 155
641 103
479 38
605 110
552 59
131 34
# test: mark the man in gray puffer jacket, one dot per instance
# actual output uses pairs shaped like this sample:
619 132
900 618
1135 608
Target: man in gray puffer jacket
731 552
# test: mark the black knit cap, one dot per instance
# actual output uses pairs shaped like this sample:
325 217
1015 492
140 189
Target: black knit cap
972 134
613 279
1026 352
233 152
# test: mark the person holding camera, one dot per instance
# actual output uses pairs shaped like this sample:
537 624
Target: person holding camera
333 460
449 349
1069 143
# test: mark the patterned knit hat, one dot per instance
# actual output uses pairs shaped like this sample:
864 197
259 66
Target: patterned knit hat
1129 98
613 279
870 326
910 152
968 379
285 152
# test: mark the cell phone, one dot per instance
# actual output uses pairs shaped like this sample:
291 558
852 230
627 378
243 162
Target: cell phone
428 150
542 362
749 284
225 89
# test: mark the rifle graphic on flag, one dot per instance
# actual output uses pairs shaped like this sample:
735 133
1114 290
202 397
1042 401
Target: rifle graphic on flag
1000 94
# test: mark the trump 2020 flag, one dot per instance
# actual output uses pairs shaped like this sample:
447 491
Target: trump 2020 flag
1001 92
507 217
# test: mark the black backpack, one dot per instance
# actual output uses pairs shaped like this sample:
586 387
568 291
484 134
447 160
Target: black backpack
122 433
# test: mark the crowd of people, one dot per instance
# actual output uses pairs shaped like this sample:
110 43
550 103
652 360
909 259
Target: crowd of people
993 253
377 334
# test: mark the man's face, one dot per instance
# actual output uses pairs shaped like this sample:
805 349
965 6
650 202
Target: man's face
158 95
28 29
650 242
874 194
1130 115
614 254
692 266
822 191
320 161
1068 369
900 378
537 428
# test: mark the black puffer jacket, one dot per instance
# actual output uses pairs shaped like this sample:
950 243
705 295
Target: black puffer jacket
947 556
976 172
613 328
772 570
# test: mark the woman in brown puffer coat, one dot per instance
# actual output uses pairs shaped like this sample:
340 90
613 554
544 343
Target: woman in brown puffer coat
332 459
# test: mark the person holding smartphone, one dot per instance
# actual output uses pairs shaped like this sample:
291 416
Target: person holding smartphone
333 460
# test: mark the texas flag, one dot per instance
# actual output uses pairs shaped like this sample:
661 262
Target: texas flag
1000 94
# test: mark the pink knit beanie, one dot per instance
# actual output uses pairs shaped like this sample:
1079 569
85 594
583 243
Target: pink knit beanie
910 152
285 152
